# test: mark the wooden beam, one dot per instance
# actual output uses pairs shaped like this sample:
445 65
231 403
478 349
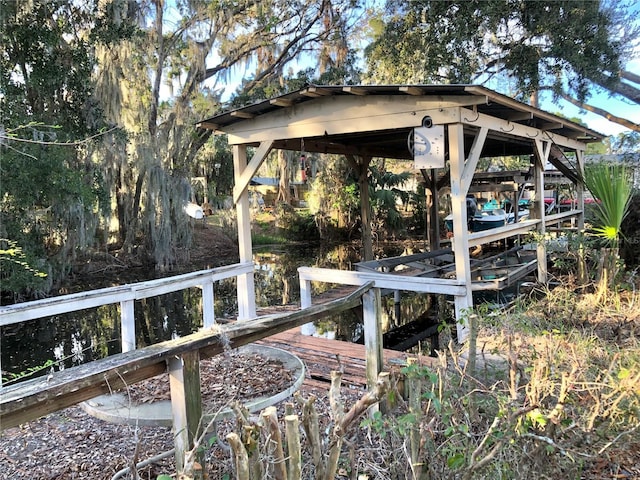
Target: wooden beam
20 312
562 216
493 187
472 161
242 114
246 282
371 313
32 399
315 92
208 125
464 302
281 102
500 233
552 126
186 404
520 116
409 90
542 150
208 305
384 280
342 114
248 172
355 90
128 325
580 188
516 129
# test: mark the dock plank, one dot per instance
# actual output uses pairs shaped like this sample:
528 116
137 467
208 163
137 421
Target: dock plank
320 356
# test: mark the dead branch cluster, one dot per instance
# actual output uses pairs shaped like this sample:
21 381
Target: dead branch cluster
259 448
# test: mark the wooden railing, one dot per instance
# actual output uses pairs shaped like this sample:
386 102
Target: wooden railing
371 300
34 398
126 295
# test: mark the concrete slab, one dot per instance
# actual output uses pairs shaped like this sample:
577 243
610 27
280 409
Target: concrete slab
117 407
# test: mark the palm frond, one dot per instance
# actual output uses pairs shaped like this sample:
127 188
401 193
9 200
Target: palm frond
611 186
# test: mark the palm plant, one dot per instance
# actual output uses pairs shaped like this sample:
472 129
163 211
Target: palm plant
611 186
384 191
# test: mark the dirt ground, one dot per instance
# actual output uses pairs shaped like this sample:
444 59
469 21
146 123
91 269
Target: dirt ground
71 444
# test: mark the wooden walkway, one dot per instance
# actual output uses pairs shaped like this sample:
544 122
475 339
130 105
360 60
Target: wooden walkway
321 356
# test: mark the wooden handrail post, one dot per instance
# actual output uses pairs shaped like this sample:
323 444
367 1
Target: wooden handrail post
208 303
128 325
186 405
305 302
372 334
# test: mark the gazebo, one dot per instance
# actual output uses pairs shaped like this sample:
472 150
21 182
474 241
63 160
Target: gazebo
442 129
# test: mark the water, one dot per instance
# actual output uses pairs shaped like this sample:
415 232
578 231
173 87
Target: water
58 342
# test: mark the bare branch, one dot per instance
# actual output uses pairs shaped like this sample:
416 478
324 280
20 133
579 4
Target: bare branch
603 113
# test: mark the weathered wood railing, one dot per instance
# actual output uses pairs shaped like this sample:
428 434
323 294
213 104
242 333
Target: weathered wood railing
126 295
34 398
371 300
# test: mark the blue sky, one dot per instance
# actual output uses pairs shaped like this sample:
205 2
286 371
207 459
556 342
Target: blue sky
598 123
613 105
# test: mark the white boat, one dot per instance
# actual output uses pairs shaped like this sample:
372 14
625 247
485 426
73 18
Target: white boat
194 210
488 219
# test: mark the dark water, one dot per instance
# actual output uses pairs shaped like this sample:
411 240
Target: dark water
61 341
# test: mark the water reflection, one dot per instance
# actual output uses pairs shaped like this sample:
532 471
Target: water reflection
95 333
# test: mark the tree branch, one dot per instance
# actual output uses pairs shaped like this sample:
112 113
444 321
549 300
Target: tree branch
603 113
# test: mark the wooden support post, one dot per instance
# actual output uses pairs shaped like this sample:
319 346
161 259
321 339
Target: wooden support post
246 284
539 208
186 404
580 189
305 302
208 303
434 240
397 296
579 221
463 303
128 325
292 433
371 305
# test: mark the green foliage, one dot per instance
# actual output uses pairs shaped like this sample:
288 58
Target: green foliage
264 239
17 272
46 66
14 377
52 192
333 197
627 144
610 184
295 224
385 195
557 45
567 397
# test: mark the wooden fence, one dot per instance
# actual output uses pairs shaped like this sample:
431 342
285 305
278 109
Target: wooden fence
34 398
31 399
126 295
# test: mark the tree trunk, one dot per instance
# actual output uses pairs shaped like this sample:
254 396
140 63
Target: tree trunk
132 226
284 195
607 271
362 169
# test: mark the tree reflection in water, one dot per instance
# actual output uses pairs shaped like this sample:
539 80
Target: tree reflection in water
95 333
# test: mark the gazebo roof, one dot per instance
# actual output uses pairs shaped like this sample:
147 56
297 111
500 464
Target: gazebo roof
386 138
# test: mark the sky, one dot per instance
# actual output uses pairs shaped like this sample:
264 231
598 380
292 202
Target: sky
611 104
595 122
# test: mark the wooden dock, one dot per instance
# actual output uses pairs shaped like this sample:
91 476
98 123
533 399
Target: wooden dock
322 355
